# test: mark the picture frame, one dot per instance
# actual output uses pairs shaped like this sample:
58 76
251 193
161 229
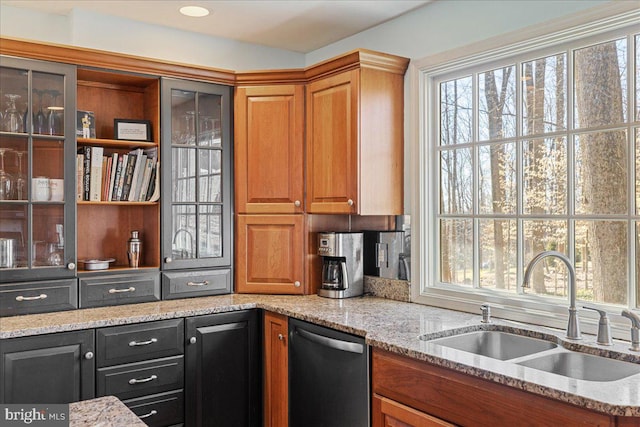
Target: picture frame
85 124
132 130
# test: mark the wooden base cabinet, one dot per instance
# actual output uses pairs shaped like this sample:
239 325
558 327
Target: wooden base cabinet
415 393
223 375
56 368
276 370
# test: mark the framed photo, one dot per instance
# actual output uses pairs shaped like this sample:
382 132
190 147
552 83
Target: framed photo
132 130
85 124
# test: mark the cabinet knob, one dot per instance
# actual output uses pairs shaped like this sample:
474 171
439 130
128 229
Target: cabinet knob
281 337
297 203
350 202
71 266
193 340
88 355
168 259
296 284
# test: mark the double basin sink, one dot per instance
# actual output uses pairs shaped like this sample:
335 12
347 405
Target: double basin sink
540 354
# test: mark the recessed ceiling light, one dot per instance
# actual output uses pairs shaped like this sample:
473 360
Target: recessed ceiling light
195 11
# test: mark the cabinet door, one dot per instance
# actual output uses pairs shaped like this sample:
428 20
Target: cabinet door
332 144
223 376
270 254
269 146
196 151
37 170
276 369
387 413
56 368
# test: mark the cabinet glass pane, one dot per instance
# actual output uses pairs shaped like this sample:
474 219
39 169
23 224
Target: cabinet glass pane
183 230
14 85
210 232
14 236
183 107
48 104
210 176
13 168
184 174
209 120
48 170
48 235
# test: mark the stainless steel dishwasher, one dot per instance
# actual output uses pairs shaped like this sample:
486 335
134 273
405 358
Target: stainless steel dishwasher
328 377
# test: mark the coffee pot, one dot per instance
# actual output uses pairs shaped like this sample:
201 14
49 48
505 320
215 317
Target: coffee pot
342 264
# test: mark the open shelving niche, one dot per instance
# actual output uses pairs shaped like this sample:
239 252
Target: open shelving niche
105 227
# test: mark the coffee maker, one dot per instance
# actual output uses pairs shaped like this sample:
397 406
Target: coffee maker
342 264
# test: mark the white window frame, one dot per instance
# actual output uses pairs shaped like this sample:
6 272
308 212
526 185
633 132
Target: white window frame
587 28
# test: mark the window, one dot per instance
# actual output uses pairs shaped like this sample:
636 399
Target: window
534 149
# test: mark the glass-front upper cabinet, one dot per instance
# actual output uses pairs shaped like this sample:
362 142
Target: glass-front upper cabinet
37 170
196 149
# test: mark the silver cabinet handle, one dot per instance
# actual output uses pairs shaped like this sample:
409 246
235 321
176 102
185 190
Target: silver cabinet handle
168 259
88 355
119 291
153 412
142 380
71 266
296 284
350 202
137 343
297 203
281 337
193 340
203 283
21 298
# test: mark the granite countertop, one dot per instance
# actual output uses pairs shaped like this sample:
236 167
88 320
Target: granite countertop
386 324
106 411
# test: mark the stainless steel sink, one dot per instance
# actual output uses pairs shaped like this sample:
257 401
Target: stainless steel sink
582 366
494 344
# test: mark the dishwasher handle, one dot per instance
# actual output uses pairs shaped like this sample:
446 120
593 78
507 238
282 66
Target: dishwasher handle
351 347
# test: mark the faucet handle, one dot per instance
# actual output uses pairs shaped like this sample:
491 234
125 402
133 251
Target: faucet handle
635 329
604 330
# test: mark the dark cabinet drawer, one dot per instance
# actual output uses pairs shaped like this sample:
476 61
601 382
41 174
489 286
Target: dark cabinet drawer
141 378
159 409
96 291
196 284
38 297
133 343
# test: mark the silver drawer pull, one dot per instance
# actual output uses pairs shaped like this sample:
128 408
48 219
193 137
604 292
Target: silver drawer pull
153 412
119 291
143 380
136 343
21 298
203 283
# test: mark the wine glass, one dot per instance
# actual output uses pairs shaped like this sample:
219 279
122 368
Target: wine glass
21 181
39 119
12 120
6 180
56 122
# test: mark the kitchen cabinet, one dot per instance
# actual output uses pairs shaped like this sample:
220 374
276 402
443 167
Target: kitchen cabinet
118 289
223 376
270 254
354 140
276 367
413 391
37 174
56 368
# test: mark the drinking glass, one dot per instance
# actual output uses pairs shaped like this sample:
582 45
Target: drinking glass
12 120
21 178
39 119
56 122
6 180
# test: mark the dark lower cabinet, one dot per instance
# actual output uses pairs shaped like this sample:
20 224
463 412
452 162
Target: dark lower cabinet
223 370
56 368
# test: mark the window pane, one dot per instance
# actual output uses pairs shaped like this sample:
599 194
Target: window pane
498 254
638 78
544 182
184 171
456 185
544 97
497 175
540 236
183 230
637 171
210 185
456 251
210 239
497 104
456 116
600 84
601 173
602 261
638 263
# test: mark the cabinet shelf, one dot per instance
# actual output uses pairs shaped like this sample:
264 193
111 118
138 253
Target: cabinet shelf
117 269
116 143
116 203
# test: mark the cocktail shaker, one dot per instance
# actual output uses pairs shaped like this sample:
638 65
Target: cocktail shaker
134 247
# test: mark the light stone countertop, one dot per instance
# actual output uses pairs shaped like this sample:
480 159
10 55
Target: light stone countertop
106 411
389 325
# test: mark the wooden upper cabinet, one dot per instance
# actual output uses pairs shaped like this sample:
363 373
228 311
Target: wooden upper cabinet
269 146
355 143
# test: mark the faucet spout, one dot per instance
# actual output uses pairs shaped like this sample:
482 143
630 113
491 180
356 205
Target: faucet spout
573 326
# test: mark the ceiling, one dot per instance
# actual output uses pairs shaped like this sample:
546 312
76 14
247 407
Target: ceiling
296 25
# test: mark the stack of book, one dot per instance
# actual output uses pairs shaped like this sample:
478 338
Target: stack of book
117 177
